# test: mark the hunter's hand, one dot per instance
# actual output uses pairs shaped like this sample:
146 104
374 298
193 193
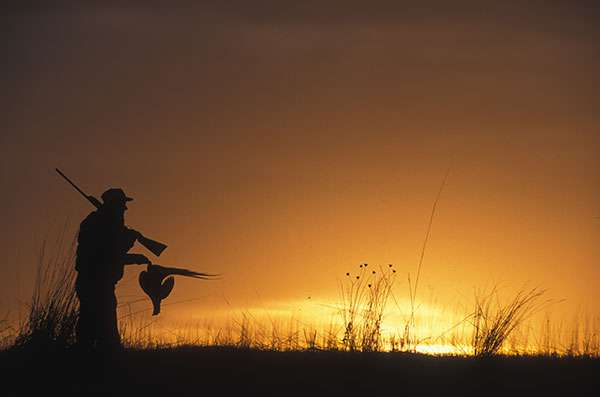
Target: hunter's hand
134 234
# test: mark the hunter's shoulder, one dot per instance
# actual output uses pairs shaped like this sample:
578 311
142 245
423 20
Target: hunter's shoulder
90 219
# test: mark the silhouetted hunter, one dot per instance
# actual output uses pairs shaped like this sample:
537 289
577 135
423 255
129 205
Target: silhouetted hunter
102 246
103 243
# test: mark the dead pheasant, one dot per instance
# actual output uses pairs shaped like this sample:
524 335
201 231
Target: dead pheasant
151 281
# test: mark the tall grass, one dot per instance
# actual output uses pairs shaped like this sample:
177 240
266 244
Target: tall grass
364 299
409 338
494 322
54 309
491 328
5 332
581 339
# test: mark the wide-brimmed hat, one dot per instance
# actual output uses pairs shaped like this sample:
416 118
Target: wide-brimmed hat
113 195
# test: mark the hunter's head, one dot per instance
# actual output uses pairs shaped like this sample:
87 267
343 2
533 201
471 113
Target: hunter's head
115 200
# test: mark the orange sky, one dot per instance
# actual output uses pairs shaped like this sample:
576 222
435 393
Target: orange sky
284 145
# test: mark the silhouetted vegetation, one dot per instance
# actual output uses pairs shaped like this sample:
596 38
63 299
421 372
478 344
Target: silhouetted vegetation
493 322
295 359
53 310
5 332
490 329
364 299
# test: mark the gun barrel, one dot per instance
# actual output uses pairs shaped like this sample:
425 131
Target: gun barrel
94 201
152 245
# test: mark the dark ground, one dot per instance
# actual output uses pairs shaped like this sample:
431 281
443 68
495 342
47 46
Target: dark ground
199 371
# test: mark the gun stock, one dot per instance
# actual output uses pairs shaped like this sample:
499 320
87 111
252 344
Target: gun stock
153 246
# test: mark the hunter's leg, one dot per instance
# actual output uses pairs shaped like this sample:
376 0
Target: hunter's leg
84 330
109 337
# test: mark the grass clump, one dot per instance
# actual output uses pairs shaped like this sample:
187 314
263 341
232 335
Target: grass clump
54 309
5 332
494 322
364 298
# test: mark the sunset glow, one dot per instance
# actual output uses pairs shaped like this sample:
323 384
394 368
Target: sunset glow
283 149
300 198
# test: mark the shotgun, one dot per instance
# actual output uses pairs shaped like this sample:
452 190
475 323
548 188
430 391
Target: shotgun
152 245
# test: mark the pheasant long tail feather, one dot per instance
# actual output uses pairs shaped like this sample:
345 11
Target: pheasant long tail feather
187 273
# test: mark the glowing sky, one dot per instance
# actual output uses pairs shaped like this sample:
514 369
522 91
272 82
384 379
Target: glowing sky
284 143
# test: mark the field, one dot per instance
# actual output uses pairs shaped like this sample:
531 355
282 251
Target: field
218 371
357 359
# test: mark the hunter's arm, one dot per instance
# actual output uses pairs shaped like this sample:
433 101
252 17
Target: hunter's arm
128 239
136 259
